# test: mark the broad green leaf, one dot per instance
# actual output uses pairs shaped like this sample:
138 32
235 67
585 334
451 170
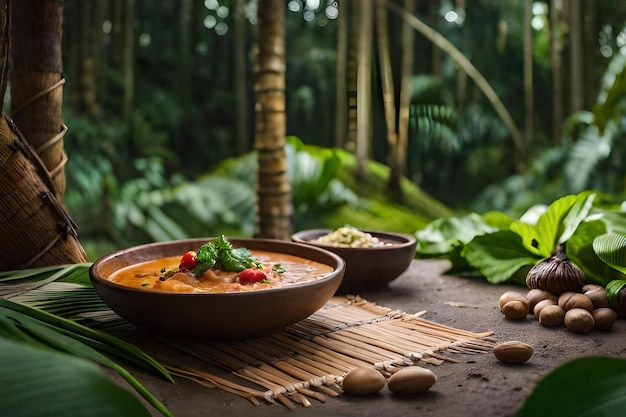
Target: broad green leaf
442 235
611 248
580 251
529 235
615 220
578 213
583 387
542 238
498 220
38 382
499 256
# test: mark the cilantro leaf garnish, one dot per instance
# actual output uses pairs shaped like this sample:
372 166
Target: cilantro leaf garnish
219 253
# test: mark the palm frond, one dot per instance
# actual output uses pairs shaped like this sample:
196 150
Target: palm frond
47 307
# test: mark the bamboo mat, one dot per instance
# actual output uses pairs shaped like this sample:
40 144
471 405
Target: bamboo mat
305 363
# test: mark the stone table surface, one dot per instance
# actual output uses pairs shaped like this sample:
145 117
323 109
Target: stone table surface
478 385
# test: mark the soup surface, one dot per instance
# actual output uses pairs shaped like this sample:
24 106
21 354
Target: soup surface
280 270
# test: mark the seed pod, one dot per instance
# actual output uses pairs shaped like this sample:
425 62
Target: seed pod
563 298
363 381
411 380
579 301
556 274
604 318
579 320
535 295
551 316
541 305
513 352
515 310
598 296
510 296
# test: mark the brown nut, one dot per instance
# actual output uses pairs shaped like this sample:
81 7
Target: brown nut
411 380
551 316
590 287
598 297
510 296
564 297
535 295
513 352
363 381
579 320
516 309
604 318
579 301
541 305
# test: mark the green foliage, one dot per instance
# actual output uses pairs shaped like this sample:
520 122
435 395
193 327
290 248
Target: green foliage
590 155
502 249
561 393
38 382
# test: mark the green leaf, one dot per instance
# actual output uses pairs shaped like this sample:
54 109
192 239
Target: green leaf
442 235
579 212
66 336
563 393
206 258
554 224
499 256
498 220
580 251
611 248
38 382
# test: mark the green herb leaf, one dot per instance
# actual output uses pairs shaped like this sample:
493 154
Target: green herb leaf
602 394
499 256
278 269
206 258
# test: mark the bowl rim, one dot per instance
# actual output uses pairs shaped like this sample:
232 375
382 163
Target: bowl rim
94 277
403 240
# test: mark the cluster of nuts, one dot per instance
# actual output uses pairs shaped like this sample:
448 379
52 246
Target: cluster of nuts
406 381
580 312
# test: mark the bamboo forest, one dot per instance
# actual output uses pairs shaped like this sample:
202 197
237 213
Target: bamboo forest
477 104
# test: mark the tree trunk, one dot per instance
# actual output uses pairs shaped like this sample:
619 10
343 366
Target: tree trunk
555 64
127 70
241 80
351 74
341 92
274 205
576 63
389 100
36 82
364 87
528 79
406 91
184 46
35 228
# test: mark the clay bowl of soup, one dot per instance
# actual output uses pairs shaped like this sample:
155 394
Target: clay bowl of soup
301 279
367 267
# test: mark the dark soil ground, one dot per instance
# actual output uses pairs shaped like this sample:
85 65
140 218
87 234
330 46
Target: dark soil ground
478 385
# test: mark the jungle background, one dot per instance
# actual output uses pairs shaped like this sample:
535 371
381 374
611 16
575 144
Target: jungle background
159 102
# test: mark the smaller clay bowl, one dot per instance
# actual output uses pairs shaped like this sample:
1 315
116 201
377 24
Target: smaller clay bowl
215 316
368 268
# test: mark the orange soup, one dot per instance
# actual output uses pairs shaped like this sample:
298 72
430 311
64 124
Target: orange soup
280 270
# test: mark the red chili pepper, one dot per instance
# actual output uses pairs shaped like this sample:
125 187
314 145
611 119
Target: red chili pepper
188 261
251 275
